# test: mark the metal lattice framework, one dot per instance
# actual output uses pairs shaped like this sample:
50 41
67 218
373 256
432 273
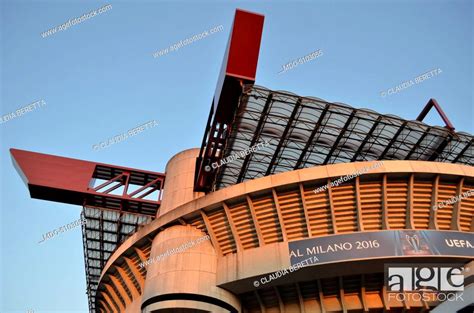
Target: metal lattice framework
116 201
106 229
126 190
102 233
307 131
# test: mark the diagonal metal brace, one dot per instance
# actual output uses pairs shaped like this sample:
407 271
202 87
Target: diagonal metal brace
441 113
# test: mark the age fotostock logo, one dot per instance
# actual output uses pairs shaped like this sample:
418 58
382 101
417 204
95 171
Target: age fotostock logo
425 277
441 281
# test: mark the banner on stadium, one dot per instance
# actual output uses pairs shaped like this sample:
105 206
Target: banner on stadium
390 243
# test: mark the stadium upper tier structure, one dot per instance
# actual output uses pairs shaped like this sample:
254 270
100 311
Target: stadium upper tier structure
291 204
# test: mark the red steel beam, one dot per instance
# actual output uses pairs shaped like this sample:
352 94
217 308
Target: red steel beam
433 103
239 67
66 180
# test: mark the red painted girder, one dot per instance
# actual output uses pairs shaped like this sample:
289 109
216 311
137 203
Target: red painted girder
68 180
240 60
239 67
433 103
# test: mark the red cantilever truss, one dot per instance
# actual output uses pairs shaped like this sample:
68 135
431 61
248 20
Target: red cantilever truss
239 67
72 181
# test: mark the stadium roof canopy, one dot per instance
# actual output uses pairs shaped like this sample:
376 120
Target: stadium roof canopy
306 131
303 131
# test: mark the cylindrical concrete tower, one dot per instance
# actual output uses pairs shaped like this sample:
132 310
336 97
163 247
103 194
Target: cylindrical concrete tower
179 181
182 274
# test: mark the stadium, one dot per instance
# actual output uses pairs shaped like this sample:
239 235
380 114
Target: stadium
290 204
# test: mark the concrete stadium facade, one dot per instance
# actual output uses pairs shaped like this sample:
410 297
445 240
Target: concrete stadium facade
250 225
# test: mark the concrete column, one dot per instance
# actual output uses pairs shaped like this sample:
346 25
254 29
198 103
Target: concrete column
179 183
182 274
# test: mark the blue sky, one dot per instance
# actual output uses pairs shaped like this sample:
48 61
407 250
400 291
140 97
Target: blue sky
99 79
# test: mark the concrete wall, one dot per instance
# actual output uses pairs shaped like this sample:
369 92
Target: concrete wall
179 183
184 262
